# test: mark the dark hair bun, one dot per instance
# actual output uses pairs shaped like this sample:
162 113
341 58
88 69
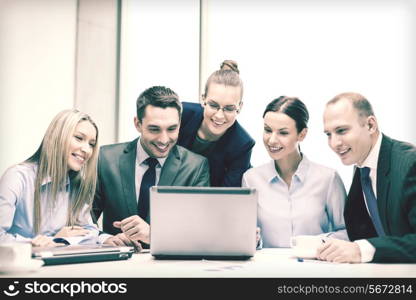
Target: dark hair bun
230 65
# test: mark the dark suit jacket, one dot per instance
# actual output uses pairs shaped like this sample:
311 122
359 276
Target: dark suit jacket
396 200
231 155
116 191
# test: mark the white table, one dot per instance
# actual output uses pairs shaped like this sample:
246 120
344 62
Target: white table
267 263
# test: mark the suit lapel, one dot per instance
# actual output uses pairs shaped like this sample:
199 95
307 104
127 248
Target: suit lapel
170 168
383 180
128 175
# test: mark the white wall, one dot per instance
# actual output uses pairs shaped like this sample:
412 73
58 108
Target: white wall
315 50
312 49
37 53
96 65
159 46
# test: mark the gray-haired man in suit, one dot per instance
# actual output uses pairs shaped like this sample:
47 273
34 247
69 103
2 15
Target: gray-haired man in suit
123 169
380 211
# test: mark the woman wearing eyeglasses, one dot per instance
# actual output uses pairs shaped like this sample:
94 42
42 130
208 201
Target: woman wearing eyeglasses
211 129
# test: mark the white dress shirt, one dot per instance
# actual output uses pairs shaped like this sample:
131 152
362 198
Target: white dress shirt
312 205
367 250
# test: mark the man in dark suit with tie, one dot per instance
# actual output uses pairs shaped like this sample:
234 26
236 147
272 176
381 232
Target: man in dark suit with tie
380 212
127 170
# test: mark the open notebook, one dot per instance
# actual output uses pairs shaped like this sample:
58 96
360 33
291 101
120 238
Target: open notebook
81 253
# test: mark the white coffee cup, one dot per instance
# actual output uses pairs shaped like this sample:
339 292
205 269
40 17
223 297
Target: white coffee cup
15 254
305 246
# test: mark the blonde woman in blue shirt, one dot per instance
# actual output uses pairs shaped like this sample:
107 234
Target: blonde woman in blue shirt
296 195
47 198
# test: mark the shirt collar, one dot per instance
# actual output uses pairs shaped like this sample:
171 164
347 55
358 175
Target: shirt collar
300 173
48 180
302 168
372 158
142 155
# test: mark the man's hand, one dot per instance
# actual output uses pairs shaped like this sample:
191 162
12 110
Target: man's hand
135 228
339 251
122 240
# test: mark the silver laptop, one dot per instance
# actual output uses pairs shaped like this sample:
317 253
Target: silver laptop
202 222
81 253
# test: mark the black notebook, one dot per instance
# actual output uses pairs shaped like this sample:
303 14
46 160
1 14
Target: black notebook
81 253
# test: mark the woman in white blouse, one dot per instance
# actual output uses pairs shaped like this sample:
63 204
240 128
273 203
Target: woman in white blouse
47 198
295 195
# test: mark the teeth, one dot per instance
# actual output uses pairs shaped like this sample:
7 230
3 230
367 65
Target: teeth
275 148
218 123
79 157
162 147
343 152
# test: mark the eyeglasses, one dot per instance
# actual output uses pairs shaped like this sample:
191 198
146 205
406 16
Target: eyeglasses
228 109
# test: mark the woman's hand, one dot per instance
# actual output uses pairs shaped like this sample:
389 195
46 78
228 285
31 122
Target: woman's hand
43 241
68 231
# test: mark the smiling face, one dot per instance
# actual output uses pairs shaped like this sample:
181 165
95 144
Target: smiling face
159 130
221 105
81 146
280 135
350 135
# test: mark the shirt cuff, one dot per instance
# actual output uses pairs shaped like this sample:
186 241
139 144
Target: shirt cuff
367 250
103 237
20 238
77 240
259 245
61 241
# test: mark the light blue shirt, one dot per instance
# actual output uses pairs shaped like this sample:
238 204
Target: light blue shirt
17 190
312 205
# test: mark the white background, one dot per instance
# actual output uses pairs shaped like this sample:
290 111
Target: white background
310 49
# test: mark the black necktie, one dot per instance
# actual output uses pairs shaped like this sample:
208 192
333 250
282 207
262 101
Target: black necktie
371 200
148 180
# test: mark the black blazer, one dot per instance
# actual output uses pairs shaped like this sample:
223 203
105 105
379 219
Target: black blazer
396 200
231 155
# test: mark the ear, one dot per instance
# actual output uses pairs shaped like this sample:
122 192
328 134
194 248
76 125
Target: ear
241 107
302 134
372 124
202 100
138 124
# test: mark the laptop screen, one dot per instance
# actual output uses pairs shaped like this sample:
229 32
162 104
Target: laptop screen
203 221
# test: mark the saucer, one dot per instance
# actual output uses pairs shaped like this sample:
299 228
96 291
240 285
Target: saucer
28 266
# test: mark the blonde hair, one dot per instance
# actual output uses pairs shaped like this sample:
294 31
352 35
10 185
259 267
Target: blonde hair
52 160
228 75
